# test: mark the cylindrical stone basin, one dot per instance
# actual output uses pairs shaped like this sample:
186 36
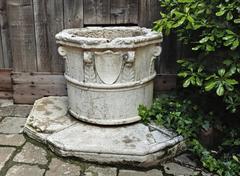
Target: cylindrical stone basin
109 72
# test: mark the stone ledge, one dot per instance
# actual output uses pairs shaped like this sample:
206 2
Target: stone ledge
136 144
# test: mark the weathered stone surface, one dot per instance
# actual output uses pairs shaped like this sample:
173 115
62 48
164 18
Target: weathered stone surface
12 125
185 159
153 172
21 110
5 154
60 168
12 139
106 86
31 154
101 171
25 170
5 102
176 169
131 143
6 111
49 115
135 144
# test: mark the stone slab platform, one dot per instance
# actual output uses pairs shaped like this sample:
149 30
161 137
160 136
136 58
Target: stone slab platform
136 144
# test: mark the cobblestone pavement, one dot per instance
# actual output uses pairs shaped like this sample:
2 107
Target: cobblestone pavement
21 156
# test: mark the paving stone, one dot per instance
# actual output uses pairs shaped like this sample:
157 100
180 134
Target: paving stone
5 154
185 159
25 170
153 172
101 171
6 111
178 170
12 125
5 102
60 168
31 154
21 110
12 139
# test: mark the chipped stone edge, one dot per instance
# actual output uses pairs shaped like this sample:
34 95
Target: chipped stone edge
145 161
67 37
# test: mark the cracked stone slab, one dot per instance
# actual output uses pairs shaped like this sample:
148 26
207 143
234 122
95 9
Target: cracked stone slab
134 144
21 110
5 154
101 171
25 170
12 139
153 172
176 169
48 115
31 154
60 168
12 125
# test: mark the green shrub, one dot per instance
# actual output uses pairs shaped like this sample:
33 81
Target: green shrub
188 119
212 29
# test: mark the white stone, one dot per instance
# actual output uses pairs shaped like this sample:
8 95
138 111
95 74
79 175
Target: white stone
106 86
47 116
135 144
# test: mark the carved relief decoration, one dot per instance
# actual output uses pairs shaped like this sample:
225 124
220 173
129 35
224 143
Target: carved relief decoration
156 52
108 67
89 70
128 73
63 53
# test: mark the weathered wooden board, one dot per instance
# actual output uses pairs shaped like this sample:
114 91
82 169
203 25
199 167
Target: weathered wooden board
5 56
5 83
28 87
149 11
40 21
165 82
73 13
22 34
1 52
97 12
55 20
124 12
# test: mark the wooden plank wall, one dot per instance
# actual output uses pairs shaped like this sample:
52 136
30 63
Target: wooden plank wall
5 84
5 51
27 39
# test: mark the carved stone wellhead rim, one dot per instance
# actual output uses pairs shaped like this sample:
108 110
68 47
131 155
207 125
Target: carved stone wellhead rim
108 37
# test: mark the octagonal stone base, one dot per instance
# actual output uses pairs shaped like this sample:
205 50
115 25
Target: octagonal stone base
137 144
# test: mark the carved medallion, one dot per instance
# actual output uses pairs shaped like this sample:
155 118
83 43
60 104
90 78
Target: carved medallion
108 66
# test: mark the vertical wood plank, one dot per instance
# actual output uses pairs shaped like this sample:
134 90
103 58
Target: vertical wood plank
55 20
40 21
1 52
6 50
1 25
97 12
73 13
124 12
22 35
149 11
